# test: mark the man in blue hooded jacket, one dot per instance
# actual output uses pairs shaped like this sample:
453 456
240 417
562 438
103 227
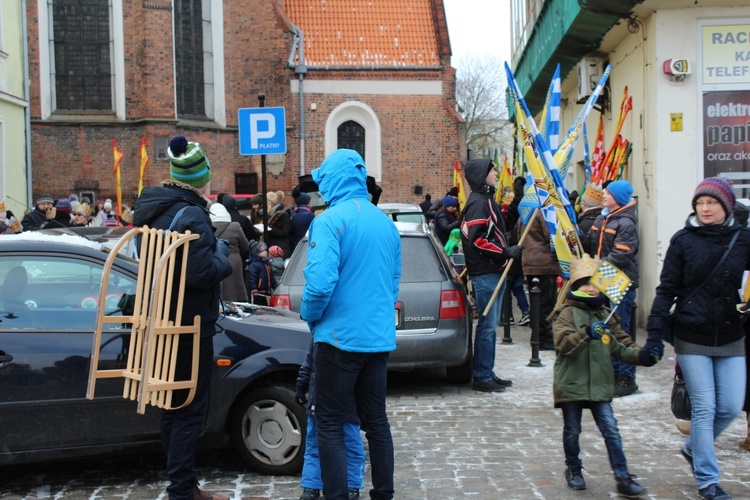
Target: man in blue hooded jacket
352 281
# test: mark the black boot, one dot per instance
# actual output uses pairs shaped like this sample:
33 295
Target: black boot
625 386
574 478
628 488
309 494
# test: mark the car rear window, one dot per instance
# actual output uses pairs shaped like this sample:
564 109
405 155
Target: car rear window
419 262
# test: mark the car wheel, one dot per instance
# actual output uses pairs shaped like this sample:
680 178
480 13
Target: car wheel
268 429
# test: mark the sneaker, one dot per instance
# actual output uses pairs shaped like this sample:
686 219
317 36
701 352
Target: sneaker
625 386
199 494
488 386
525 320
502 382
574 478
353 493
713 492
628 488
311 494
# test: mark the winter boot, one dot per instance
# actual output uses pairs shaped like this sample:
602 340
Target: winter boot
625 386
309 494
628 488
574 478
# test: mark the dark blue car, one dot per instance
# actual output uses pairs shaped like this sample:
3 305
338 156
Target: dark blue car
49 294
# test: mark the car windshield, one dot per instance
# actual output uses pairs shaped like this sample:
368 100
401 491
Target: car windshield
419 262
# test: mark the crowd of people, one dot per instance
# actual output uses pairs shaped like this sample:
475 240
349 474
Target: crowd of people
353 270
695 309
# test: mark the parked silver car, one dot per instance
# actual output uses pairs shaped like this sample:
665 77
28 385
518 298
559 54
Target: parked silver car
433 316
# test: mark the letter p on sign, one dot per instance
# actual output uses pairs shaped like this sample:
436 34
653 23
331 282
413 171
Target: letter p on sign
262 131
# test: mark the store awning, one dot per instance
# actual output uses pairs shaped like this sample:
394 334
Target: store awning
564 32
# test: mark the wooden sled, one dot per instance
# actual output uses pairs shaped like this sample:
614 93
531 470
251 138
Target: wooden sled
152 354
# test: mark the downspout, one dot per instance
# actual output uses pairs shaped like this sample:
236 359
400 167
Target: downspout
301 70
27 96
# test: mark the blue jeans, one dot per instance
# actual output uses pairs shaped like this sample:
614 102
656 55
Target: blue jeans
181 429
624 310
607 423
717 391
516 286
485 335
339 374
355 453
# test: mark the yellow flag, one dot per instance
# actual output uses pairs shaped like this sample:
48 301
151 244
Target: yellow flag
458 182
144 162
611 281
118 182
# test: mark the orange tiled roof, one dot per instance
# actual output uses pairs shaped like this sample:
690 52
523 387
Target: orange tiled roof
366 33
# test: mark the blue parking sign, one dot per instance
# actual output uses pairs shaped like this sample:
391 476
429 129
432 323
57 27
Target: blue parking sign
262 131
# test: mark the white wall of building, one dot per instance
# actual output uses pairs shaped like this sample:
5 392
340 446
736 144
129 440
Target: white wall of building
666 164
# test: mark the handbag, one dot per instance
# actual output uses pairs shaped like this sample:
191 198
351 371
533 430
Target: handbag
680 398
668 334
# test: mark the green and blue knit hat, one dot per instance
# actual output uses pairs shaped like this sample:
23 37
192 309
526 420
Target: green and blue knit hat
187 162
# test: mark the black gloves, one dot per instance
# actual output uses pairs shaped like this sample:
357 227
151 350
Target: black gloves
596 330
300 397
651 353
513 252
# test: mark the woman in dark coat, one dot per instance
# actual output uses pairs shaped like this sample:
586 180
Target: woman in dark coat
233 288
706 325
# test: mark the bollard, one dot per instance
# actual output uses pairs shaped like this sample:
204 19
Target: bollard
534 311
505 315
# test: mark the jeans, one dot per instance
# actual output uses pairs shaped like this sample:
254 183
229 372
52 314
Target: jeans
485 335
717 391
338 374
624 310
607 423
516 286
181 429
355 453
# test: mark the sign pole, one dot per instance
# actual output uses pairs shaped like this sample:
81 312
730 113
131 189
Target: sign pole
264 186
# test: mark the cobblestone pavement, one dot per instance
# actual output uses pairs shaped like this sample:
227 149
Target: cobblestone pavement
451 443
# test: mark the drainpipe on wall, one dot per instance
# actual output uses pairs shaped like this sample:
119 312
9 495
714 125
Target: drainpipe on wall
301 70
27 96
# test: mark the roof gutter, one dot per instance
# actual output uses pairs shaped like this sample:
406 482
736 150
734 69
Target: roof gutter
298 46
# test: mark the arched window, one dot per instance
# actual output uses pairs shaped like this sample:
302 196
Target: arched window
351 135
354 125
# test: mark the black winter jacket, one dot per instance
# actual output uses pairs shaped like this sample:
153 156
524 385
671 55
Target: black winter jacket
615 238
482 224
711 318
156 207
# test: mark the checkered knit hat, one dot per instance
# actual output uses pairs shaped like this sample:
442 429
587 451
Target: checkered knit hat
717 188
187 162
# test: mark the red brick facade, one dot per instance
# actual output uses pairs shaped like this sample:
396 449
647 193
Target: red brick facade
419 133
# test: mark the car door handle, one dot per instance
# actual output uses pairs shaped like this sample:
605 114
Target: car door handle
6 358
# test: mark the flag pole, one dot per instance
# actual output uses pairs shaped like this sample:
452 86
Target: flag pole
507 268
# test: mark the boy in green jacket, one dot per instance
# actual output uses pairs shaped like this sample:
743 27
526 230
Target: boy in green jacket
585 343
